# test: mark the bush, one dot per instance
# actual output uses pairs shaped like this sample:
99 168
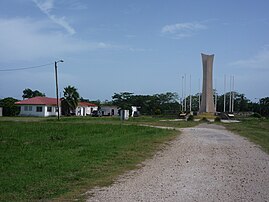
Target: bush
217 119
256 115
204 119
9 107
158 112
190 118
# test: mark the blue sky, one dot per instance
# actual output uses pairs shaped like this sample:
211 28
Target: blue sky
139 46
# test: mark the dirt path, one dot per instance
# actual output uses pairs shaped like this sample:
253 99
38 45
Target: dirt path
205 163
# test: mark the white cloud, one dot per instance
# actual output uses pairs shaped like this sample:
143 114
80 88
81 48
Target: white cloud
74 4
259 61
28 39
46 6
182 30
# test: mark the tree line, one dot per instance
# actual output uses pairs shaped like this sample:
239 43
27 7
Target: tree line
164 103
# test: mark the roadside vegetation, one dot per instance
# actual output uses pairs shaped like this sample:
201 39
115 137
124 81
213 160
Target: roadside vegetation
46 159
255 129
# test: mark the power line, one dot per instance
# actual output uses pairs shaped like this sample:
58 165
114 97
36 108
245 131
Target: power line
23 68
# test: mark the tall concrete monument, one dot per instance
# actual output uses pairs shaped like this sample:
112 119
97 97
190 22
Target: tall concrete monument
207 103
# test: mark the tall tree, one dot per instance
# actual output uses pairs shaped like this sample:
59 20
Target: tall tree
122 100
264 106
28 93
70 100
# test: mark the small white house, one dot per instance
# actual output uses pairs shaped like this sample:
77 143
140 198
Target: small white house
109 110
39 106
1 111
85 108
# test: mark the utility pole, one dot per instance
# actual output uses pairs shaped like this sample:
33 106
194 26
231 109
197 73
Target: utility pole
182 94
190 93
230 103
185 101
57 93
224 94
233 94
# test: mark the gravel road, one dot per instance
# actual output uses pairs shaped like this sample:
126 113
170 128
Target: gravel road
205 163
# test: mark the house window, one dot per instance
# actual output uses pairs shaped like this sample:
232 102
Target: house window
49 109
25 108
29 108
38 109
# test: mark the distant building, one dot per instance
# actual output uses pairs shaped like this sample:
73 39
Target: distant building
109 110
1 111
39 106
85 108
44 106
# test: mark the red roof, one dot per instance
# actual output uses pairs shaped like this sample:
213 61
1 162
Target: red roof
49 101
39 101
87 104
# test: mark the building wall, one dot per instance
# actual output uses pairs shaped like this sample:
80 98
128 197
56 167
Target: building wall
84 111
31 110
89 110
1 111
51 112
109 111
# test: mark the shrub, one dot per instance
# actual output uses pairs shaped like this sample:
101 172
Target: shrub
158 112
190 118
256 115
217 119
204 119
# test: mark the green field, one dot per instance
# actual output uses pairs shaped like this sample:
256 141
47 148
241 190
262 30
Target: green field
256 130
45 159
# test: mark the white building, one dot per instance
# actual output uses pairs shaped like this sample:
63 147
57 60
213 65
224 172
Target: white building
39 106
109 110
85 108
44 106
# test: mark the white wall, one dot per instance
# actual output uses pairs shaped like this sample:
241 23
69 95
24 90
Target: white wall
107 111
89 110
84 111
30 110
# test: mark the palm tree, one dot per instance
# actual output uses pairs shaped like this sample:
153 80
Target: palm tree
70 100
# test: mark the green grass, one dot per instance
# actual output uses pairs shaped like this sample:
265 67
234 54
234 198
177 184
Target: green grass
142 120
256 130
46 159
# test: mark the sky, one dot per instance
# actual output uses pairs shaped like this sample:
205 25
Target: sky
138 46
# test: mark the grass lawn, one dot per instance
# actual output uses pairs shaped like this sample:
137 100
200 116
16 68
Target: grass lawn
256 130
46 159
142 120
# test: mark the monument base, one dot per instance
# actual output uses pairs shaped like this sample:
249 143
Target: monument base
207 115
